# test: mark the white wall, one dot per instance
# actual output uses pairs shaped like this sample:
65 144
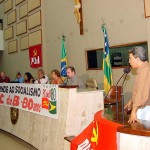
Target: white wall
125 22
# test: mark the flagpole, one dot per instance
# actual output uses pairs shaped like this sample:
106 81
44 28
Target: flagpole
63 58
103 22
108 81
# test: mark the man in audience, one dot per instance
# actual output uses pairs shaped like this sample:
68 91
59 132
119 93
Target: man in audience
4 78
73 79
19 78
42 78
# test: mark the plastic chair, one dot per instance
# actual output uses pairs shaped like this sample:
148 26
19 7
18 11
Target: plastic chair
91 83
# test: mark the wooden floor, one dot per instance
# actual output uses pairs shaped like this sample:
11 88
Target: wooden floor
11 142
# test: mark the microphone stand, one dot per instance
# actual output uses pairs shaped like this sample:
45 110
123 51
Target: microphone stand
122 98
117 93
66 81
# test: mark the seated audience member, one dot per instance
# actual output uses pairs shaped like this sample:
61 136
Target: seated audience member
28 78
4 78
56 78
73 79
42 78
19 78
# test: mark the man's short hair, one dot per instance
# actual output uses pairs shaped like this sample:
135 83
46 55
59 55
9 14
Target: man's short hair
41 71
71 68
18 73
138 51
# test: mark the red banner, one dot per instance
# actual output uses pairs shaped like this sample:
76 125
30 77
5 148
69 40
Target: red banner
99 135
35 55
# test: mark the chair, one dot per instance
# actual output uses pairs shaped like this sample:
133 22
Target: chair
110 98
91 83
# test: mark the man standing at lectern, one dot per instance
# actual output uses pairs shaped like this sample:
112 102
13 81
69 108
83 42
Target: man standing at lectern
140 101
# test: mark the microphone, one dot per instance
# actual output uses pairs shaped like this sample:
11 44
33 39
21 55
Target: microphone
66 81
126 71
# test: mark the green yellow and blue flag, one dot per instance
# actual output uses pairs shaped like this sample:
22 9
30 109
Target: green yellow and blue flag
63 59
108 80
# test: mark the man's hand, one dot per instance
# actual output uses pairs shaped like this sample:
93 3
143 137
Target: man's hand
128 106
133 117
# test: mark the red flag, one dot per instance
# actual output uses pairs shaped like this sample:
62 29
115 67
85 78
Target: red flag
84 141
99 135
35 55
45 103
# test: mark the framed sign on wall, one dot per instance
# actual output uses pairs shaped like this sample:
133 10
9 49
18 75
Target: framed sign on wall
23 11
34 20
12 46
8 33
21 27
33 4
1 1
35 38
24 42
147 8
18 2
11 17
8 5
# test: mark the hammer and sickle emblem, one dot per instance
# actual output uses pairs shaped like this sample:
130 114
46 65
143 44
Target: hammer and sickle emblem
35 52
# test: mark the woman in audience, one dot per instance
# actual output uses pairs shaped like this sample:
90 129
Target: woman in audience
28 78
56 78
